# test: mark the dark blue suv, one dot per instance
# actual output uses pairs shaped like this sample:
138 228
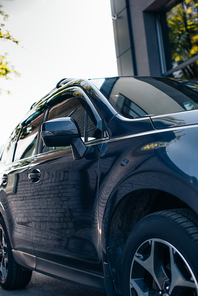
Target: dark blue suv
99 187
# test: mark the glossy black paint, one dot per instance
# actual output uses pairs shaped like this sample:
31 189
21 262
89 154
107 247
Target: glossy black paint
59 132
65 209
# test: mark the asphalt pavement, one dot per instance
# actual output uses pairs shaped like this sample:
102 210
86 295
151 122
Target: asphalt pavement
42 285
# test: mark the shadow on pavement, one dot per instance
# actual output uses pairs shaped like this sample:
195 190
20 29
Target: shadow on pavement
42 285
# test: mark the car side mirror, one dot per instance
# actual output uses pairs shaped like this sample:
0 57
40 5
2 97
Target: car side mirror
63 132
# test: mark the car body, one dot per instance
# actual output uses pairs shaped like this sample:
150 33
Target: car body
90 164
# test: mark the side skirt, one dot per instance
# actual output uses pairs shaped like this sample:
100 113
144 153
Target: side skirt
62 272
24 259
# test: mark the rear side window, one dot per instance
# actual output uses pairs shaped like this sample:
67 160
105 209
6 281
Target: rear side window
9 148
26 145
136 97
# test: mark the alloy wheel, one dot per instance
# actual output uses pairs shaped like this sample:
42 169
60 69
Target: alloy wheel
159 269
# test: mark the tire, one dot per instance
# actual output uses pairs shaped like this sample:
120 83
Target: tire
161 256
12 275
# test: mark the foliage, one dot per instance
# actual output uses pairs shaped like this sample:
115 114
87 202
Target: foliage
5 68
182 21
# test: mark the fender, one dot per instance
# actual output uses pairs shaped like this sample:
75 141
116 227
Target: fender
173 184
146 162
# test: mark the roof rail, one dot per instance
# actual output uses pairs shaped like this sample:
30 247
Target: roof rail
32 106
61 82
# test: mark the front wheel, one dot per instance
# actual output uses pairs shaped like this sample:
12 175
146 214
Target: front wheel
161 256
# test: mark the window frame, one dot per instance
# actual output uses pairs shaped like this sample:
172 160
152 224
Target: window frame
76 92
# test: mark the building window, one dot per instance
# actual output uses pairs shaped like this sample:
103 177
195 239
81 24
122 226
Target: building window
180 26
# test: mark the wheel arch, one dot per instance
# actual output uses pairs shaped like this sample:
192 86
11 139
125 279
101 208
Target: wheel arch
135 198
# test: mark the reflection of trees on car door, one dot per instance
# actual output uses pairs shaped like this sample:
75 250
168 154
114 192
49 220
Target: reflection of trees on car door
23 141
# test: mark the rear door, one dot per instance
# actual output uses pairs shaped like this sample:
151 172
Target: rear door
14 194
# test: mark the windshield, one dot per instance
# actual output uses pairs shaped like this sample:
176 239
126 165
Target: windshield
135 97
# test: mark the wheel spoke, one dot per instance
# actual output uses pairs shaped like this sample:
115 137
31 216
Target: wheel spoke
3 255
5 262
4 242
4 272
140 287
153 264
2 269
1 238
177 279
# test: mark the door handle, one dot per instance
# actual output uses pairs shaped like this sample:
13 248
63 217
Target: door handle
34 175
4 180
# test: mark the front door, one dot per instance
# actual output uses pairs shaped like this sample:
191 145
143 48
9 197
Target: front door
63 193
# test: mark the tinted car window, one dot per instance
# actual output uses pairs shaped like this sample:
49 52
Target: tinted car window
136 97
68 106
92 131
8 151
26 144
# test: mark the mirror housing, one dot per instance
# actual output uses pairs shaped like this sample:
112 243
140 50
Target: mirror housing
63 132
59 132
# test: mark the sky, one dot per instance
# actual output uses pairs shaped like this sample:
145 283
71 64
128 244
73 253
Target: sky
57 39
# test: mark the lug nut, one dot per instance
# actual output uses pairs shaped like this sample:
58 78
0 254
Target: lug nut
167 288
